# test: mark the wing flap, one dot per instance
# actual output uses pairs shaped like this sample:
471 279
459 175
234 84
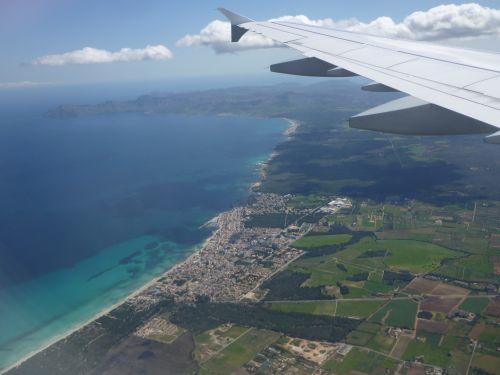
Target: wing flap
413 116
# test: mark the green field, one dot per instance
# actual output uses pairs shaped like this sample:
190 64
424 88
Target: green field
369 327
355 292
359 338
397 313
475 305
490 338
415 256
305 264
472 268
357 309
307 201
432 353
313 307
354 252
322 277
378 287
381 343
326 270
364 333
205 341
232 333
309 242
363 361
239 352
410 255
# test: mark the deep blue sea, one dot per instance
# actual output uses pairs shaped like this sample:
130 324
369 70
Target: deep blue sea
91 208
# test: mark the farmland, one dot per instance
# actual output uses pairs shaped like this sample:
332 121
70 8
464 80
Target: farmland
319 241
357 309
313 307
239 352
394 281
397 313
362 360
475 305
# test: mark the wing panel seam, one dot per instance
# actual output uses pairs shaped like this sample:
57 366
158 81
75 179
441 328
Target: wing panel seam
482 80
412 82
390 49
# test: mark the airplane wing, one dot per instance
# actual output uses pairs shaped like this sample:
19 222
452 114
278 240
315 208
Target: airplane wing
451 90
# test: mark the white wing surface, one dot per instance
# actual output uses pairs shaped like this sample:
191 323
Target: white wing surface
453 90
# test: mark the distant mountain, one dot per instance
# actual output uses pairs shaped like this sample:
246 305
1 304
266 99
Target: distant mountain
283 100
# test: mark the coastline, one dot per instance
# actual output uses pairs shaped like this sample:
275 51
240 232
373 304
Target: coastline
293 126
213 222
105 310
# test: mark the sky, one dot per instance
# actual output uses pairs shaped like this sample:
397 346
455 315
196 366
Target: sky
94 41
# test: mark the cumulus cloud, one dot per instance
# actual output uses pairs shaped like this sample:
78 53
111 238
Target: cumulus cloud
20 84
217 34
89 55
442 22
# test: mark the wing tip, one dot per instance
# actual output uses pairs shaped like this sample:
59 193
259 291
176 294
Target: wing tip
234 18
237 32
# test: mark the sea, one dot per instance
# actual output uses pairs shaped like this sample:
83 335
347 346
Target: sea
92 208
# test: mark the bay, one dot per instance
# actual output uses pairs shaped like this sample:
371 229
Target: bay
94 207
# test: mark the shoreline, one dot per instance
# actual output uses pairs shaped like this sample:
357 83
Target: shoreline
288 133
293 126
105 310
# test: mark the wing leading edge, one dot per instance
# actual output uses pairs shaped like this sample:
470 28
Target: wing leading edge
452 90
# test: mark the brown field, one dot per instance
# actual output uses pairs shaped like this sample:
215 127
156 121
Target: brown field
496 264
495 240
416 369
493 308
432 326
477 330
421 285
449 290
136 355
401 345
439 304
486 362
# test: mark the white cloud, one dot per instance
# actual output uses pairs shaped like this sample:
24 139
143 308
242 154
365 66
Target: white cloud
89 55
20 84
442 22
217 34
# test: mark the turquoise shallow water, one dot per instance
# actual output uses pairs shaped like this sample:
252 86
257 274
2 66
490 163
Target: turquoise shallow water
36 311
93 208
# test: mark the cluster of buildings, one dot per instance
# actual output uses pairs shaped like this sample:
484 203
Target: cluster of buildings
337 205
234 259
297 356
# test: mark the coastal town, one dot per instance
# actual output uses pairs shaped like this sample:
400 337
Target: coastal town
235 259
